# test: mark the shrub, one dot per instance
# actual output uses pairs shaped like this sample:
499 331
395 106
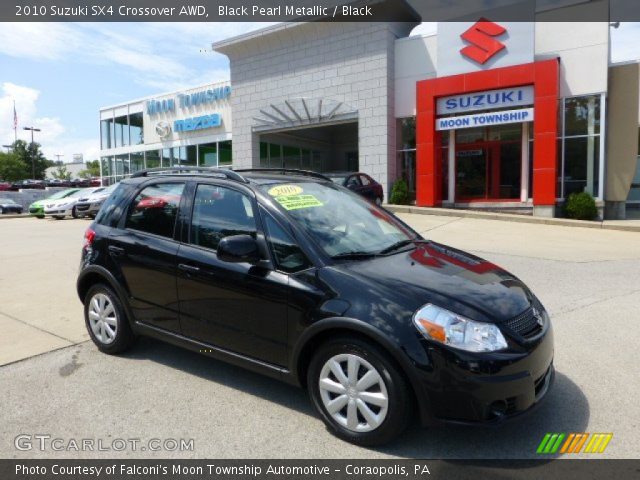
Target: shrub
581 206
399 193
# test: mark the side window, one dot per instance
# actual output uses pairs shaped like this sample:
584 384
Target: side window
353 181
219 212
365 180
111 210
155 208
288 255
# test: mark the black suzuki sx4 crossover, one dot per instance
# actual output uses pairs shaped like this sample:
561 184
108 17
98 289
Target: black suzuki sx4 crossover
288 274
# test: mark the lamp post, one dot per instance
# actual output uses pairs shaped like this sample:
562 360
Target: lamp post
33 160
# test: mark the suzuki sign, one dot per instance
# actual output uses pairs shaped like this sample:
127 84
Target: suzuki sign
471 46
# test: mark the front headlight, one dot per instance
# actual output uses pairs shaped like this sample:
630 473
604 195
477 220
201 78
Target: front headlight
446 327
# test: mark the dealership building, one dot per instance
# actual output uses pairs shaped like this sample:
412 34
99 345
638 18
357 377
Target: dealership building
485 114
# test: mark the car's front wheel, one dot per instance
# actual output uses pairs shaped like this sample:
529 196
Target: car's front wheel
106 321
359 391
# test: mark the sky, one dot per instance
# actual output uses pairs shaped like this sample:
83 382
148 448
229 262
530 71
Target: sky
60 74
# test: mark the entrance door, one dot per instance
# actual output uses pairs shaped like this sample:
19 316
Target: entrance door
488 171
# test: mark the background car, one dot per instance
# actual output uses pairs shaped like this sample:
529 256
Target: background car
360 183
57 182
66 206
4 186
36 209
27 184
89 207
7 205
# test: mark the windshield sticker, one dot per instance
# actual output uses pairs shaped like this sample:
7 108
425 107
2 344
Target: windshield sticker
296 202
285 190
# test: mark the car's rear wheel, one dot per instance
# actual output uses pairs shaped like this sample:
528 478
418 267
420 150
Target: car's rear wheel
359 392
106 321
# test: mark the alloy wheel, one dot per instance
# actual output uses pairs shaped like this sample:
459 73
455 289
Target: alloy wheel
353 392
103 318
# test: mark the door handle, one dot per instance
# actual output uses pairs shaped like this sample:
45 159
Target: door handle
116 250
188 268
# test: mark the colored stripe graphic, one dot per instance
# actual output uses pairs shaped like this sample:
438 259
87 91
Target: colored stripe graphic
552 442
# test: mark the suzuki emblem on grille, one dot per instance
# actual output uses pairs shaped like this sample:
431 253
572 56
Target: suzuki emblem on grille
483 45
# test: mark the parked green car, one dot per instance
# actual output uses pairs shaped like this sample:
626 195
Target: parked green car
36 209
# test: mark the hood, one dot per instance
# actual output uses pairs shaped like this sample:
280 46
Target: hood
38 203
444 276
60 201
97 197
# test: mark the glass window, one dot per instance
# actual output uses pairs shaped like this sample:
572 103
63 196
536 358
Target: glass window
106 164
135 128
152 158
224 153
353 181
291 156
407 133
342 223
121 125
289 257
581 159
208 155
264 154
155 209
106 134
137 161
275 160
219 212
185 156
365 180
111 210
167 157
582 115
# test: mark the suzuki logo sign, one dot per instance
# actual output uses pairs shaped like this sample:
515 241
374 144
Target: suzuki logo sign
483 45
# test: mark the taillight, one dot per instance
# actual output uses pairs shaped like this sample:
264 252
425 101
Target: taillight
89 236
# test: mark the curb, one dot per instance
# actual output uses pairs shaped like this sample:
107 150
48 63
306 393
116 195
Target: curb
509 217
15 215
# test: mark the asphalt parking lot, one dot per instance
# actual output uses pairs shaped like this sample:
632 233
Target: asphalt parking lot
53 381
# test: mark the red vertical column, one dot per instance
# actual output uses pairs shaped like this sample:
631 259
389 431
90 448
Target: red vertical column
545 130
427 166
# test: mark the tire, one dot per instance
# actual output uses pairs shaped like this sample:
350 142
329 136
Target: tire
74 212
110 332
389 418
1 211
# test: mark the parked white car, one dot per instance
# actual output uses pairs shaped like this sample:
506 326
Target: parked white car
63 207
90 206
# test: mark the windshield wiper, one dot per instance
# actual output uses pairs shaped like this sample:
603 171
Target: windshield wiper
353 255
395 246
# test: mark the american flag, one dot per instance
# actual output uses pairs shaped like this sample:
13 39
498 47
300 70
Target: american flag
15 116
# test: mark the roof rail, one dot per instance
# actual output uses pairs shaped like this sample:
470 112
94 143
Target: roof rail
294 171
186 170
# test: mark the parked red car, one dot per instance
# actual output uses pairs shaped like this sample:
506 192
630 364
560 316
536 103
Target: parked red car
4 186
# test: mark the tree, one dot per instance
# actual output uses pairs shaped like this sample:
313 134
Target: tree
92 170
33 157
61 173
12 167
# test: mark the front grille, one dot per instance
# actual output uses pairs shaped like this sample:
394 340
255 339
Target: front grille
526 324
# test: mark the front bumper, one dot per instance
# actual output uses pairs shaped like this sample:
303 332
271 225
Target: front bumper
487 388
37 211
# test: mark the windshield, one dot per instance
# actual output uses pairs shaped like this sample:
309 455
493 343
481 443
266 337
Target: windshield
342 223
61 194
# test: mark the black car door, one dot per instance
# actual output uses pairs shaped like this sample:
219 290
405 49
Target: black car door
235 306
144 251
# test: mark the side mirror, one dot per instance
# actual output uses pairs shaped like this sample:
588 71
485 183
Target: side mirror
239 249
